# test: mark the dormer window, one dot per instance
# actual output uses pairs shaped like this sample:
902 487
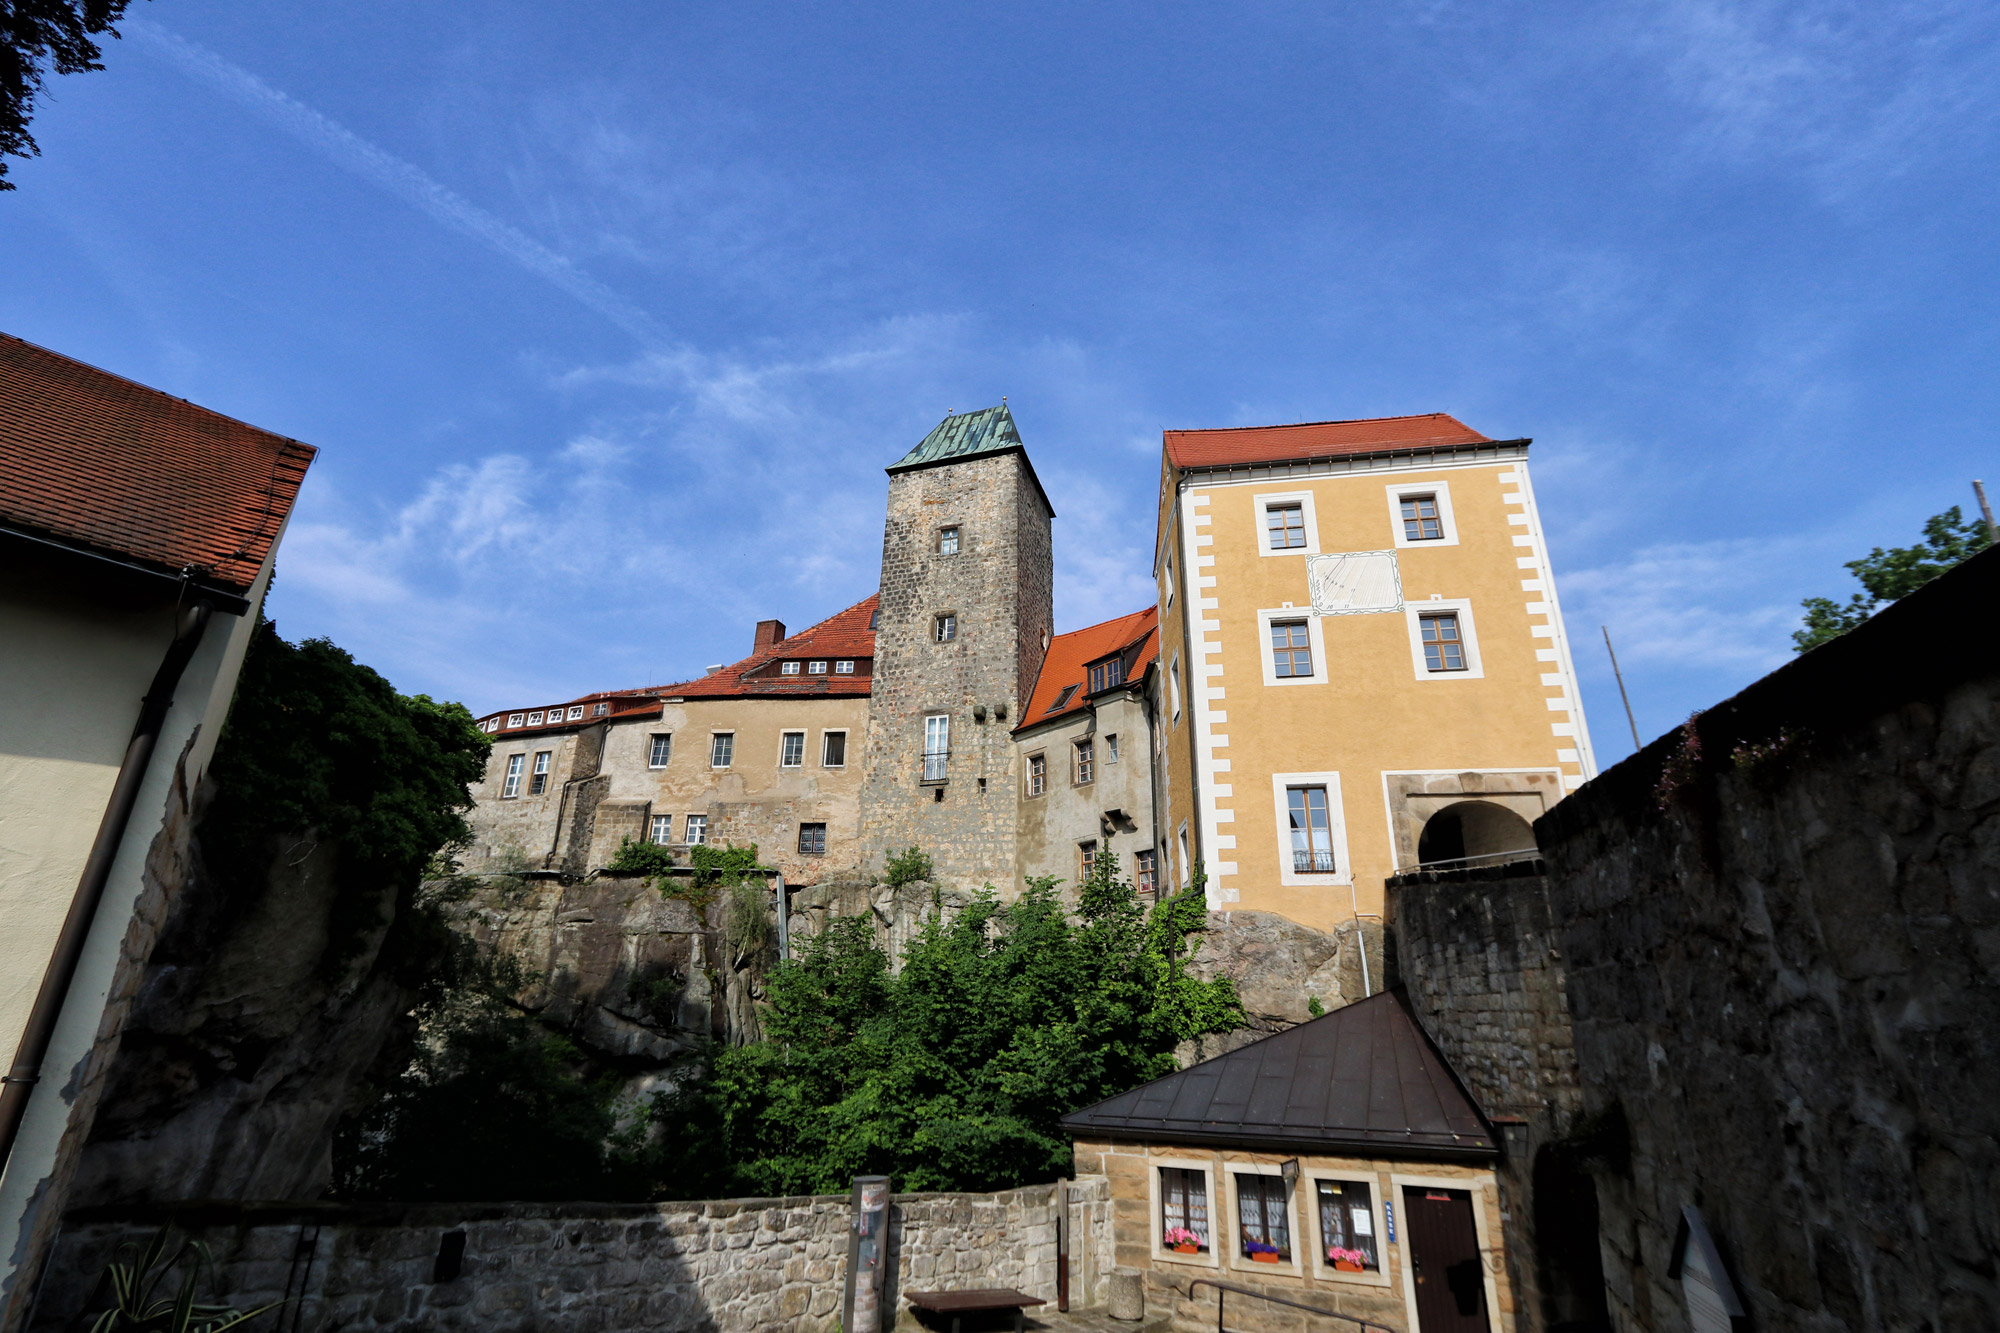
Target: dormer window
843 668
1105 674
600 710
514 719
576 712
1062 700
534 719
815 668
788 668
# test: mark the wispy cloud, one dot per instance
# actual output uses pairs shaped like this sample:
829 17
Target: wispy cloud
351 152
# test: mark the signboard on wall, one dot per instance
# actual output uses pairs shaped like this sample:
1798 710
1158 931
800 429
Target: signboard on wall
1712 1303
1354 583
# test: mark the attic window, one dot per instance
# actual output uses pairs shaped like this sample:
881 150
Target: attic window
1062 700
515 719
1105 674
816 668
600 710
788 668
534 719
575 712
843 668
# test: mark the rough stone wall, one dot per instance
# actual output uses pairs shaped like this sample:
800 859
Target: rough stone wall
999 585
1782 933
1053 824
1480 959
1278 966
733 1264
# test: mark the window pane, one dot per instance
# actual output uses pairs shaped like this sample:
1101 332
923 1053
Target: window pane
697 828
833 749
662 829
1347 1225
512 786
937 746
1443 649
948 541
792 749
1183 1209
661 751
1286 525
788 669
816 669
1261 1205
843 668
812 839
721 749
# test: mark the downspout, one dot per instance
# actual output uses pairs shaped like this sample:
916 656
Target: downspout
20 1081
1155 763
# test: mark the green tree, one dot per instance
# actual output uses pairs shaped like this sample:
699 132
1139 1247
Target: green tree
1887 575
37 36
952 1072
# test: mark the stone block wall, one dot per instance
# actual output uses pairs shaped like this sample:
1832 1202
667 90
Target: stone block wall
729 1265
1781 929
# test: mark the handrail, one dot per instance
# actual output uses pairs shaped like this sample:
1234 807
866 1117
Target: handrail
1221 1287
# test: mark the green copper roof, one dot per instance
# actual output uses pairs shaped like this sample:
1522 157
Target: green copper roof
990 430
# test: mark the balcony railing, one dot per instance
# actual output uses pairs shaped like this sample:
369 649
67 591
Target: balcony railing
934 764
1312 863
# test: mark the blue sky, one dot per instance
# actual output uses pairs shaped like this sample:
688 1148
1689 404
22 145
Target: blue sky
607 318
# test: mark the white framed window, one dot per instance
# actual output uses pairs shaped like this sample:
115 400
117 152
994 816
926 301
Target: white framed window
1311 830
815 668
833 749
575 712
1345 1212
1110 747
1169 569
1266 1233
1435 654
516 719
1038 774
660 749
1293 646
721 749
788 668
511 785
947 541
1187 867
1083 768
844 667
1286 523
538 776
1420 513
1086 858
599 710
1174 686
947 628
1183 1210
660 829
937 746
792 750
534 719
697 830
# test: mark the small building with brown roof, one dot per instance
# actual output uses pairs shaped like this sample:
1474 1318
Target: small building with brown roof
138 533
1338 1164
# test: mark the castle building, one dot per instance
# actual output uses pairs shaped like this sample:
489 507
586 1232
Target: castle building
1366 666
1356 663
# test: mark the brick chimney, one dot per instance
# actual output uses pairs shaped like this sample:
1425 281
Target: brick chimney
769 632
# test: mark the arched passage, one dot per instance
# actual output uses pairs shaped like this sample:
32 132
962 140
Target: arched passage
1566 1249
1473 828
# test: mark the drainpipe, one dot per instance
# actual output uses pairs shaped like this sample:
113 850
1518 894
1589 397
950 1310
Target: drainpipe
784 920
20 1081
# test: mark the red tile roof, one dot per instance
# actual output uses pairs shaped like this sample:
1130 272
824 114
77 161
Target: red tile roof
1070 655
95 460
847 636
1238 445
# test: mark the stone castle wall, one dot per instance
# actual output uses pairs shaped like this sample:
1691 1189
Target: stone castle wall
1000 587
730 1265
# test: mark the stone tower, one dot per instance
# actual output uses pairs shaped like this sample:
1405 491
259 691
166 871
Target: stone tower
966 614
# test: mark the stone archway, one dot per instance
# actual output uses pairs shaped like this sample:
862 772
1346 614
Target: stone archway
1473 828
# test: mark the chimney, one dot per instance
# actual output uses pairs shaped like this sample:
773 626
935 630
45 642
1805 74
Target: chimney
769 632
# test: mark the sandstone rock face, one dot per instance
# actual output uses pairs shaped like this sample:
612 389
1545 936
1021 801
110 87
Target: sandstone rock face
1279 967
260 1020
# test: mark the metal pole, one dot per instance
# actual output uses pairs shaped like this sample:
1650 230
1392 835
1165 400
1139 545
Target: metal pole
1636 746
1986 511
1061 1199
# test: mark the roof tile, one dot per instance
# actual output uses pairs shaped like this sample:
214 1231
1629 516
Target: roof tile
1234 446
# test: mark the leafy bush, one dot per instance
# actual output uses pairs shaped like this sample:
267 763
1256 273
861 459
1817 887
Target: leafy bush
951 1074
906 867
641 858
720 867
746 921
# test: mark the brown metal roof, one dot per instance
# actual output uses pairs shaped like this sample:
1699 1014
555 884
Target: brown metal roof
1364 1077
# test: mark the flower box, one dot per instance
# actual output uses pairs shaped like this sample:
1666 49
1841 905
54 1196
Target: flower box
1263 1258
1187 1249
1348 1266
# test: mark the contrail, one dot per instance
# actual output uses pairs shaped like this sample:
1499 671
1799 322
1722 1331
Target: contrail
348 149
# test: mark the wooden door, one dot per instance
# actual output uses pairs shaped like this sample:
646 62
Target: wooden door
1444 1260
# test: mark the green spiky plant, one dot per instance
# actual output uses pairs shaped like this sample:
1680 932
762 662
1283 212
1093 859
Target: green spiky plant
135 1306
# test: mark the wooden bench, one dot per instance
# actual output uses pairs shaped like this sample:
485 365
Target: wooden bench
981 1301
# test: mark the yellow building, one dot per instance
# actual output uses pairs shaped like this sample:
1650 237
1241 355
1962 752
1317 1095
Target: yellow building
1365 663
